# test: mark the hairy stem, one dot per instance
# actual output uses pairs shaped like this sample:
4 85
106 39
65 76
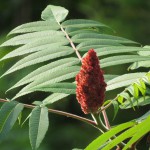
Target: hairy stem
62 113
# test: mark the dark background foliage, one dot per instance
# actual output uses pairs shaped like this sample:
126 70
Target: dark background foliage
130 19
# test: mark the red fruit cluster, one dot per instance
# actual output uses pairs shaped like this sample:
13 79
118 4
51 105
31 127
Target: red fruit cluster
90 91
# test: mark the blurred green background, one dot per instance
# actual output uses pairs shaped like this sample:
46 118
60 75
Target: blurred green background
129 18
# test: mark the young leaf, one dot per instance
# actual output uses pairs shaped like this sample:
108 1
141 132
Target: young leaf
38 126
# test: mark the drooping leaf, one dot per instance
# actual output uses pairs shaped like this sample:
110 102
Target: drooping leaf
38 126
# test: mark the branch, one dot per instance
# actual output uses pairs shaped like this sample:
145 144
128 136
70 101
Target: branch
62 113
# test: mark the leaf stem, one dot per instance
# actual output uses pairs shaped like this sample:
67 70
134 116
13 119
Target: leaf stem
62 113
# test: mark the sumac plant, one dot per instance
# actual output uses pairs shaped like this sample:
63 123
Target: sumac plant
73 57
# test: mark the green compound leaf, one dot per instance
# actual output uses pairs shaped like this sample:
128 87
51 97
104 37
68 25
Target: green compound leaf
38 126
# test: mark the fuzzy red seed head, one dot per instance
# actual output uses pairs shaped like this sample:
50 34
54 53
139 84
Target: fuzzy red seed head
90 91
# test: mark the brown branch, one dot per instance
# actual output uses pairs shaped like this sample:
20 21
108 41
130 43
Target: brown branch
62 113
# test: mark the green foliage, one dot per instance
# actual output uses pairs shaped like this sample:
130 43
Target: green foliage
56 43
